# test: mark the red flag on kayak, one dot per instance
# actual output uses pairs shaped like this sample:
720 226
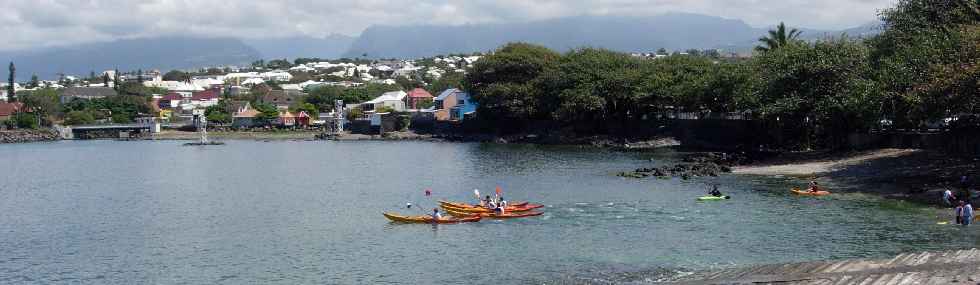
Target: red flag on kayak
428 192
499 191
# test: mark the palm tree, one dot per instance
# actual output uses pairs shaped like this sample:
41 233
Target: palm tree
778 38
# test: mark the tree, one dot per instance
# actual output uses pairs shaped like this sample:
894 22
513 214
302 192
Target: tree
926 61
448 80
34 83
79 118
278 64
25 120
115 80
309 108
44 103
139 76
825 89
595 89
176 75
777 38
105 79
11 91
218 113
500 83
267 113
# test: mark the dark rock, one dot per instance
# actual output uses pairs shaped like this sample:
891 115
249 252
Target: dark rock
24 136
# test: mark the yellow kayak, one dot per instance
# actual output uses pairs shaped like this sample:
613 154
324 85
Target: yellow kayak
797 191
429 220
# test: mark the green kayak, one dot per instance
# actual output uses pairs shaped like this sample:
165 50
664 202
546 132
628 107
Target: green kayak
714 198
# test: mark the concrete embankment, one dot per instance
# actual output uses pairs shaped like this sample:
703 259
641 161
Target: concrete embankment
950 267
25 136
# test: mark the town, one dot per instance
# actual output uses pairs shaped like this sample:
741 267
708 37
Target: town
306 94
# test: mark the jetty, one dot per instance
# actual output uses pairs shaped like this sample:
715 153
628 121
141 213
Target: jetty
949 267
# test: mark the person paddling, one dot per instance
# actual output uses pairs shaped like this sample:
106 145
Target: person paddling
814 187
435 215
491 204
714 191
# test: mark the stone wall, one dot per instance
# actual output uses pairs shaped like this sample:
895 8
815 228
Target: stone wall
967 143
23 136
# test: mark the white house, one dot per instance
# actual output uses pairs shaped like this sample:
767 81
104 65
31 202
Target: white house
280 76
393 99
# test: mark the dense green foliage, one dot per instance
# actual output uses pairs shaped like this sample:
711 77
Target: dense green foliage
79 118
923 68
323 97
117 109
176 75
218 114
42 102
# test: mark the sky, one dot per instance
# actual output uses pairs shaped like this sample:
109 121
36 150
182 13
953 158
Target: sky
30 24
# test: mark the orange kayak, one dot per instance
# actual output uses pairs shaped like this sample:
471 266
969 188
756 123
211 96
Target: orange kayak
797 191
522 207
429 220
505 215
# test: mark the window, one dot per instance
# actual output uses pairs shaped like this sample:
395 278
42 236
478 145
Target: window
461 102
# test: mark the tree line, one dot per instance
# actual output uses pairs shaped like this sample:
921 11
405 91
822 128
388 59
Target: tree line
923 67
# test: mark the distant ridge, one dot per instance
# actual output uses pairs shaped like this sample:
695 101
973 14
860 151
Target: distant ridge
672 31
156 53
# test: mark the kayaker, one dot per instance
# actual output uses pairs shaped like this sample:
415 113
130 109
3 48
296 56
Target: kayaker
814 187
958 211
491 205
714 191
948 197
503 203
499 209
967 214
435 214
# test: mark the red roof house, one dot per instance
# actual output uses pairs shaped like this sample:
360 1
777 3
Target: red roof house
302 119
9 109
417 97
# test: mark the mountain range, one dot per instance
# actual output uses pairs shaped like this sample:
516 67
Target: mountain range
672 31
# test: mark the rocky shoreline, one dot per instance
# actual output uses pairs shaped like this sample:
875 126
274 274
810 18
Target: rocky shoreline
27 136
699 164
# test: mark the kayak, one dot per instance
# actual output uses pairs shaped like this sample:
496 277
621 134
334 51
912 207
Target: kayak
515 204
429 220
714 198
509 205
505 215
797 191
463 207
477 210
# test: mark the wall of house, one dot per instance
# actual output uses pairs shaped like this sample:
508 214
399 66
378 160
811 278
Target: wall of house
447 104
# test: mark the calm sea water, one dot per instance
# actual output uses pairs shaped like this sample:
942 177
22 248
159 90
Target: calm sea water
108 212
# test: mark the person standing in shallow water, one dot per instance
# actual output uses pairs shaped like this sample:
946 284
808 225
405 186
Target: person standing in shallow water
958 213
967 214
948 199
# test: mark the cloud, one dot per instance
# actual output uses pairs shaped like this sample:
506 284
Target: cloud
42 23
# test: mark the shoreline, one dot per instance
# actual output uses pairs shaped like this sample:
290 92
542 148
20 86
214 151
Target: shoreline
912 175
